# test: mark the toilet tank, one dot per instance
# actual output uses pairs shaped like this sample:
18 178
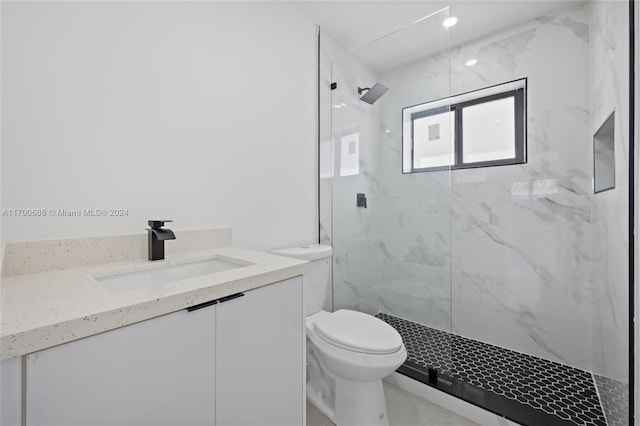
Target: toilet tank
317 280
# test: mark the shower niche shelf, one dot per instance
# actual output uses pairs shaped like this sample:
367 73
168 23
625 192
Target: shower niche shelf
604 159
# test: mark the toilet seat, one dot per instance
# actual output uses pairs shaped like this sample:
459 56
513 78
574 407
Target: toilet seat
358 332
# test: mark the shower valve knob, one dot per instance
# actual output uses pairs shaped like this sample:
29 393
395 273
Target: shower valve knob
361 200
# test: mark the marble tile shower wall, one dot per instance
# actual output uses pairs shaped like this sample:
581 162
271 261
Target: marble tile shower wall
355 133
516 256
514 241
610 91
610 231
414 215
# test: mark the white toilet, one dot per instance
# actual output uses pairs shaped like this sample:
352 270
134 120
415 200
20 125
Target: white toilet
348 352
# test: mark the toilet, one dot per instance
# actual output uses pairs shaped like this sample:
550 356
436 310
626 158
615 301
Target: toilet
348 352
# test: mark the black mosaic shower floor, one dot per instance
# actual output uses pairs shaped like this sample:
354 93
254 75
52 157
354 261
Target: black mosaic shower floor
523 388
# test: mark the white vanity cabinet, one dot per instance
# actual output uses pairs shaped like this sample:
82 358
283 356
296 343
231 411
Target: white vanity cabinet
237 362
259 357
10 390
156 372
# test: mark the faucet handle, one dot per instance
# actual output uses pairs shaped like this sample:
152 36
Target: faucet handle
157 224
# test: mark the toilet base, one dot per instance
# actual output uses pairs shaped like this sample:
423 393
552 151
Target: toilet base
355 403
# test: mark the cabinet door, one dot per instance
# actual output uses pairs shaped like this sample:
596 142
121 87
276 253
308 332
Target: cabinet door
10 392
260 344
156 372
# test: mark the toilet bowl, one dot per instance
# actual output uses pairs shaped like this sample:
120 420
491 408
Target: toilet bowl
346 384
348 352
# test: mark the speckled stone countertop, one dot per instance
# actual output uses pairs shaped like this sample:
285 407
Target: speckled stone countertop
45 309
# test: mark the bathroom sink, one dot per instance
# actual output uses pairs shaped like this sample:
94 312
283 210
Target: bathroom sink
166 274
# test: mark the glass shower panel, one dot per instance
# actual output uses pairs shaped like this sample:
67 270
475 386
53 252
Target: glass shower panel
392 248
521 240
610 208
492 271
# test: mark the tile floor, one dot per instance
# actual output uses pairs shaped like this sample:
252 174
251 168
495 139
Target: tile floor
405 409
558 390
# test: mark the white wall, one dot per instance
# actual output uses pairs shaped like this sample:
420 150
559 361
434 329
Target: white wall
204 113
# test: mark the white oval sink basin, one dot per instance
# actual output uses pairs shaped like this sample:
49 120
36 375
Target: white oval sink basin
165 274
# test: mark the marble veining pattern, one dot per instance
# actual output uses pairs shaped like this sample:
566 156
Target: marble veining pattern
609 40
501 253
610 232
524 257
354 232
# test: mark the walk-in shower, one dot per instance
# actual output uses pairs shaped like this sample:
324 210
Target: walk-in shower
484 242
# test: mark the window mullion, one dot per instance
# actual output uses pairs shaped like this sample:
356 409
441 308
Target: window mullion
413 120
457 129
520 125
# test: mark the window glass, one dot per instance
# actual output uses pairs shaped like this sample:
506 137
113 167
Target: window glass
488 131
433 140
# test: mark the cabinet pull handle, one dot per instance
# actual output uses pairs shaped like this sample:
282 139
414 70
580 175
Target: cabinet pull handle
231 297
214 302
202 305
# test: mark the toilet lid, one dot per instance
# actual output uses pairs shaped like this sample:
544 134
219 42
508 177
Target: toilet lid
358 332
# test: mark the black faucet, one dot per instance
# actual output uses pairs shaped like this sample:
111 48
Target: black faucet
157 236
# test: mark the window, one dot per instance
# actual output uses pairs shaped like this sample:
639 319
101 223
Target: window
486 127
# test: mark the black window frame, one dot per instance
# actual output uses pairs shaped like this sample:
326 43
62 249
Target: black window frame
520 128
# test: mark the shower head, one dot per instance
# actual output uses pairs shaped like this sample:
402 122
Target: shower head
373 93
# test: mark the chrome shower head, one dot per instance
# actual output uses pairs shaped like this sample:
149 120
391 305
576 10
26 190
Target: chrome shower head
373 93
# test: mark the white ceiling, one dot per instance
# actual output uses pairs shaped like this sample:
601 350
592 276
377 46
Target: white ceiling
354 24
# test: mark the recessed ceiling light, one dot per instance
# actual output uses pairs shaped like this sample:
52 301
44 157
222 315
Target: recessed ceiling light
471 62
337 106
387 131
450 21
